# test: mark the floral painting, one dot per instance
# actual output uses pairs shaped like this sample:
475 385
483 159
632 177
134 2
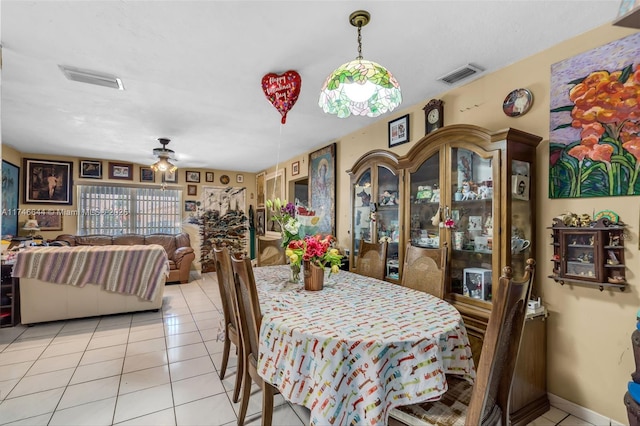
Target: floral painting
595 122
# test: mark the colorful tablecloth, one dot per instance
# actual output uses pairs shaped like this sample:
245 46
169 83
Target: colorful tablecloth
136 269
359 347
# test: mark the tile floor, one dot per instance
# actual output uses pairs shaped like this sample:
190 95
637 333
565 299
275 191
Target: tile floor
154 368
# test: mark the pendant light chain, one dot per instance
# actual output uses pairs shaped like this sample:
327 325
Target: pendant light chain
359 42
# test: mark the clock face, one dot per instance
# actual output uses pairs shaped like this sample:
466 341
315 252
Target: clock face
433 116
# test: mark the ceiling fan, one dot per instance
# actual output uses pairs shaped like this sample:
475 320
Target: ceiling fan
164 154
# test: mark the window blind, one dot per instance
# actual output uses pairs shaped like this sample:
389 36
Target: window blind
114 210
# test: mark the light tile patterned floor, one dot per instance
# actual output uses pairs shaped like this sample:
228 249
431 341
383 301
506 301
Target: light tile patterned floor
154 368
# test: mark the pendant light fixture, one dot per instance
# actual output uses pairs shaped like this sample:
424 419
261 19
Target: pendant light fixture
360 87
164 155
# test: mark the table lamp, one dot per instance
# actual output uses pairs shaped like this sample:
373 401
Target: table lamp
32 226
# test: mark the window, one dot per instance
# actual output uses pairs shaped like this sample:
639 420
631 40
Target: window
114 210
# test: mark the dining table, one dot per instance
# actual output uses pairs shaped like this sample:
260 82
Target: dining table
357 348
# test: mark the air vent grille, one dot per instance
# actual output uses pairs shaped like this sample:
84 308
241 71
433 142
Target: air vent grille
461 73
92 77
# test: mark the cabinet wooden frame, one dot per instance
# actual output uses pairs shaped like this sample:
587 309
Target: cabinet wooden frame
507 151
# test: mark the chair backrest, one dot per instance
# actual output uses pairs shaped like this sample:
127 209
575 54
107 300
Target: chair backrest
248 304
224 272
372 259
425 269
270 252
490 396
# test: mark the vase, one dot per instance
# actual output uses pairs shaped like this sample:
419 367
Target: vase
294 276
313 277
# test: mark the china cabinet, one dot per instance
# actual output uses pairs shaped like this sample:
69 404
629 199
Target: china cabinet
591 255
475 190
376 185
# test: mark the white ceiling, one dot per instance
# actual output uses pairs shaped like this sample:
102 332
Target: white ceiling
192 70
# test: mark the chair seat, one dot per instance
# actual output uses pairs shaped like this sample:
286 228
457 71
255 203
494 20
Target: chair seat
450 410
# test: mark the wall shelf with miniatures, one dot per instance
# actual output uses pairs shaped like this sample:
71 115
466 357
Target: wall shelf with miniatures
589 252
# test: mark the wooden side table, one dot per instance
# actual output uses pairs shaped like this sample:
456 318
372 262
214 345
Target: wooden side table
9 297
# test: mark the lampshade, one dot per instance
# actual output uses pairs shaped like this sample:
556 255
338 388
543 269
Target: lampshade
31 225
360 87
164 154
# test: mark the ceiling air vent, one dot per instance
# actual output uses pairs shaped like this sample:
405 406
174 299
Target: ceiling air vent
461 73
92 77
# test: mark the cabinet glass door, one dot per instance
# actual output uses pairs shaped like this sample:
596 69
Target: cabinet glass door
387 218
471 230
362 203
424 211
521 216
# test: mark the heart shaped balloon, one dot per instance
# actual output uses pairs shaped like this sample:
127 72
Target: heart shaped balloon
282 90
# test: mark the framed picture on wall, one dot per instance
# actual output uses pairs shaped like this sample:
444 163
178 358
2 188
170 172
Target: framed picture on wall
120 171
322 187
399 131
260 189
10 198
260 220
295 168
49 221
170 177
91 169
48 182
208 176
192 190
147 174
274 188
192 176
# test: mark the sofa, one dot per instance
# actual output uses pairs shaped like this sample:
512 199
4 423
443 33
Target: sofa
59 283
178 248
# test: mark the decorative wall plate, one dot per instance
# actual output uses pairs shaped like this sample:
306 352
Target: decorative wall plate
517 103
612 216
224 179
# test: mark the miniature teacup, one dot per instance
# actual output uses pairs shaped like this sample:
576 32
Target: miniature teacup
519 244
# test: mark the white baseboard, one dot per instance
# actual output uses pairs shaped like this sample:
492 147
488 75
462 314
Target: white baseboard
581 412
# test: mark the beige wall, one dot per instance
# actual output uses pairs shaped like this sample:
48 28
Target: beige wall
70 218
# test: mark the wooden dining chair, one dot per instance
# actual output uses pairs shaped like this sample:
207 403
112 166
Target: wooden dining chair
425 269
487 401
372 259
250 319
270 252
224 271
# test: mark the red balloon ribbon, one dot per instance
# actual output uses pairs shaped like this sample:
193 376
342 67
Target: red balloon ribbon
282 90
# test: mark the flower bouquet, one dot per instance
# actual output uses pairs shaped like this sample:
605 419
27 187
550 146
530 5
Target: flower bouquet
284 214
317 253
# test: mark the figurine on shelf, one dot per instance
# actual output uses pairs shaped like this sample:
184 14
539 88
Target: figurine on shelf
435 198
483 192
614 240
467 193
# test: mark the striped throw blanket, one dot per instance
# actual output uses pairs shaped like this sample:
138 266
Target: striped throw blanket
137 270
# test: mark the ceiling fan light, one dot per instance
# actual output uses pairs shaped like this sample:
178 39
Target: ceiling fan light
163 164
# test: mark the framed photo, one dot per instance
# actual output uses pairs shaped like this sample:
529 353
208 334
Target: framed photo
399 131
239 178
190 206
322 187
260 177
208 176
260 220
91 169
147 174
192 176
122 171
49 221
192 190
10 198
170 177
295 168
48 182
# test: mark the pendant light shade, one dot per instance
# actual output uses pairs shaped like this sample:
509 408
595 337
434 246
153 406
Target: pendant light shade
360 87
